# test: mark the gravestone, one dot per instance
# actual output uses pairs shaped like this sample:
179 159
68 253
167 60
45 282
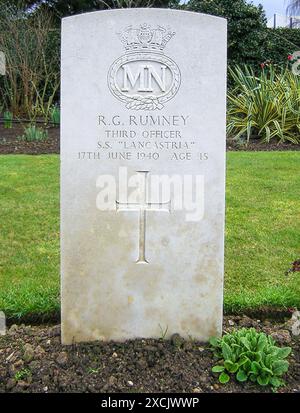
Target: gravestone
142 174
2 64
2 324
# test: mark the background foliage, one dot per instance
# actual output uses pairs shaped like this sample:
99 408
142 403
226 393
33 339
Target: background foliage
246 27
279 43
36 56
31 45
249 40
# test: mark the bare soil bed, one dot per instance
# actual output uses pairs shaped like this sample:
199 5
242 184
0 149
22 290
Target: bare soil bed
257 145
33 360
11 144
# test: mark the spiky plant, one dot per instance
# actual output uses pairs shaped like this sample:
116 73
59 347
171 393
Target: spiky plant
266 106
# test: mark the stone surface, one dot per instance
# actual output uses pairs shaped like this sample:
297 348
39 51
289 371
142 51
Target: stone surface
28 353
2 315
142 174
62 358
282 336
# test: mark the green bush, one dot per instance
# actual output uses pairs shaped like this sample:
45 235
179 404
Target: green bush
250 355
266 106
246 27
249 40
280 43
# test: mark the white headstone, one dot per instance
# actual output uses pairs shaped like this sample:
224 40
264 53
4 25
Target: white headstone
2 324
142 174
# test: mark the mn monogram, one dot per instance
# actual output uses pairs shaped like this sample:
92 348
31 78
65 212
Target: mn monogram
144 78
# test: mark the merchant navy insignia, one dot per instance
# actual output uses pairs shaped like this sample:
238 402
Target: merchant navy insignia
144 78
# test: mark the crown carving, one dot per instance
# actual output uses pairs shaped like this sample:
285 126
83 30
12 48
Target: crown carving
145 38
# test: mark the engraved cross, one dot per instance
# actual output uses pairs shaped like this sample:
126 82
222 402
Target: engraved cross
142 207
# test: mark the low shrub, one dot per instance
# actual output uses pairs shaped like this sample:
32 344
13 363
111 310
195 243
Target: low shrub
250 355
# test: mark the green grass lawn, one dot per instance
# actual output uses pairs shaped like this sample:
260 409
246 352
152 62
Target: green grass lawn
29 234
262 232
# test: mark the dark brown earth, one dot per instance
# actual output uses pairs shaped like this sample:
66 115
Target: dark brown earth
295 266
10 143
33 360
258 145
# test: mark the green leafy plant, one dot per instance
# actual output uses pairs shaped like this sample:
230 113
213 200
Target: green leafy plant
22 374
265 106
93 371
55 115
7 117
250 355
33 133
